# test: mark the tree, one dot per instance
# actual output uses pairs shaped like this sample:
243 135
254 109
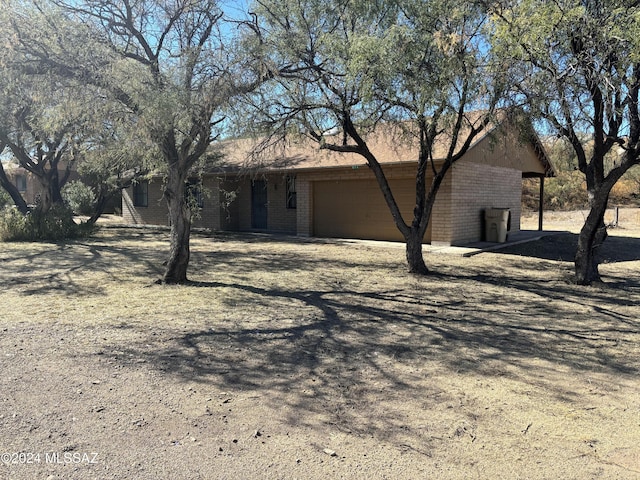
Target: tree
9 188
166 62
578 69
32 126
175 49
113 158
41 153
350 66
48 122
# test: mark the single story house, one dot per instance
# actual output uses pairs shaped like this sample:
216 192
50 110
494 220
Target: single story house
299 189
25 182
31 189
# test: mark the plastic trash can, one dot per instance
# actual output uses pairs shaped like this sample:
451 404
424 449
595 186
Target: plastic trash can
497 224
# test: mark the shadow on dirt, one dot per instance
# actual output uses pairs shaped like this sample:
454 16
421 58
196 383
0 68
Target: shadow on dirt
562 247
342 349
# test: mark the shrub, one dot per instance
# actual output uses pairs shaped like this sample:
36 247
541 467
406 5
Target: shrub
13 225
567 191
54 225
79 197
5 198
625 192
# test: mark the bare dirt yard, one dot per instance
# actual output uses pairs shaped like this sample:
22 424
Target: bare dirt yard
309 359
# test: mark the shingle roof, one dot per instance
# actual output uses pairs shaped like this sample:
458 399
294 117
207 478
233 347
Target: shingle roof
390 143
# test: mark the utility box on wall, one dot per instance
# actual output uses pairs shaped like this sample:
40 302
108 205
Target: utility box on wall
497 224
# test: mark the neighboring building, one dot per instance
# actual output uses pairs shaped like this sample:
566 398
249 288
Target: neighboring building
301 190
30 189
26 183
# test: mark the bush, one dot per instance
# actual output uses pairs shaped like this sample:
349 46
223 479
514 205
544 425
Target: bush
567 191
54 225
625 192
13 225
5 198
79 197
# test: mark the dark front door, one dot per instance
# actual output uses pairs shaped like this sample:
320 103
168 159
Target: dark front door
259 205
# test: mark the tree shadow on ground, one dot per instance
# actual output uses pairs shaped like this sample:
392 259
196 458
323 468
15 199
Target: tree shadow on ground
343 349
60 267
353 354
562 247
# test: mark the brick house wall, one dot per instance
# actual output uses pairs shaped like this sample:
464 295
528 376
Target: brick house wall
304 210
27 184
155 213
214 214
465 193
280 219
477 188
21 177
489 176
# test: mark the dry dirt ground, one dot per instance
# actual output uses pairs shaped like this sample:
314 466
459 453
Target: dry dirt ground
318 360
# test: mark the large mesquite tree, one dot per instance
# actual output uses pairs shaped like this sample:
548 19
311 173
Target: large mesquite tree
41 120
51 119
184 81
577 65
351 66
166 63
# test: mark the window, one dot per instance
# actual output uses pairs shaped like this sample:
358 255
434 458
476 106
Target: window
193 194
292 198
21 183
141 194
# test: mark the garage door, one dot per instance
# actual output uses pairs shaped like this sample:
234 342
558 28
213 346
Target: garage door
356 209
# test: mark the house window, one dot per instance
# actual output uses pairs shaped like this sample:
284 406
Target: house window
21 183
193 194
141 194
292 198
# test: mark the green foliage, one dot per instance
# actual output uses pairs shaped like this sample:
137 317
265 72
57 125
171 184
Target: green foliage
566 192
5 199
55 225
79 197
370 61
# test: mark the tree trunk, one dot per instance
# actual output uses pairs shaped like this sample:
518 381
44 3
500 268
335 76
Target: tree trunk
98 208
13 191
414 253
180 218
50 193
592 235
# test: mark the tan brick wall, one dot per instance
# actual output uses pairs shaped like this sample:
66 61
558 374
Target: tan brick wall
156 213
441 221
305 206
279 218
213 214
476 188
32 184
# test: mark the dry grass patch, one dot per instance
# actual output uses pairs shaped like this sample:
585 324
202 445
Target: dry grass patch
282 353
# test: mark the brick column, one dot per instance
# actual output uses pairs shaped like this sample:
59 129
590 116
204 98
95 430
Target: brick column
213 211
304 207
